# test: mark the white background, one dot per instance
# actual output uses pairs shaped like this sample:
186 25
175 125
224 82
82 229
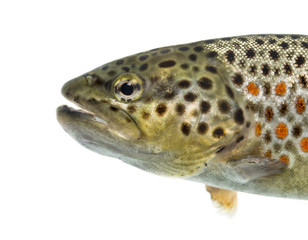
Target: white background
51 187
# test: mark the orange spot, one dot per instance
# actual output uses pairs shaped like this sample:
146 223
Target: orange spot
300 105
304 144
253 89
284 159
281 88
281 131
258 129
268 154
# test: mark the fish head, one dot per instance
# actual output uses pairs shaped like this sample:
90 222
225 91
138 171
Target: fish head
165 111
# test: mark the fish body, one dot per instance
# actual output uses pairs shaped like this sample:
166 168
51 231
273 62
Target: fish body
230 113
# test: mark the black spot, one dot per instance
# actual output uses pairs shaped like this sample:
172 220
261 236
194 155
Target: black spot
119 62
259 41
202 128
303 81
297 131
183 49
284 45
250 53
125 69
242 39
184 84
267 89
265 69
198 49
186 128
283 109
184 66
230 56
164 51
274 55
211 69
104 68
280 36
224 106
212 54
167 64
295 36
304 44
205 106
241 138
169 95
180 108
247 124
272 41
229 92
205 83
239 116
192 57
287 69
112 73
143 57
143 67
267 137
269 114
238 79
131 108
218 133
161 109
299 61
190 97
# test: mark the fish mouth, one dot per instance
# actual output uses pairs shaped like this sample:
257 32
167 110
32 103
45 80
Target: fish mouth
77 120
98 125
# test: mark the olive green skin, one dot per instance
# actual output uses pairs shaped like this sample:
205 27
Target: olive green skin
151 131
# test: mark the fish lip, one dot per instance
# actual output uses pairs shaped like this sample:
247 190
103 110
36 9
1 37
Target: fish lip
83 113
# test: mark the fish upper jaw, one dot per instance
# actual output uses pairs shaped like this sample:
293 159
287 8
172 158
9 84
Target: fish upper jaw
95 111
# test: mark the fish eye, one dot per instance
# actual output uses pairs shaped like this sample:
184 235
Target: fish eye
128 87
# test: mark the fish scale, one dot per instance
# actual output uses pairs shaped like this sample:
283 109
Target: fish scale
283 83
230 113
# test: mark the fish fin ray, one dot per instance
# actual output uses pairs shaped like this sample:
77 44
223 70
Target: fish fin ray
224 199
252 168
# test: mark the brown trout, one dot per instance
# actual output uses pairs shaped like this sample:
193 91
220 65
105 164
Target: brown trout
230 113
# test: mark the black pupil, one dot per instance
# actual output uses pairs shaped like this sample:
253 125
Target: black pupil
127 89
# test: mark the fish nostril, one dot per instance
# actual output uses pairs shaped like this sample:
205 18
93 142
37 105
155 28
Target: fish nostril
91 79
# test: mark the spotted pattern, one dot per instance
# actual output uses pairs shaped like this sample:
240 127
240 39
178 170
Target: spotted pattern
253 89
300 105
281 131
281 88
218 133
186 128
268 73
161 109
259 83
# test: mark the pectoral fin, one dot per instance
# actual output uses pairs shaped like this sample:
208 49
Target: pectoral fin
226 199
250 168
